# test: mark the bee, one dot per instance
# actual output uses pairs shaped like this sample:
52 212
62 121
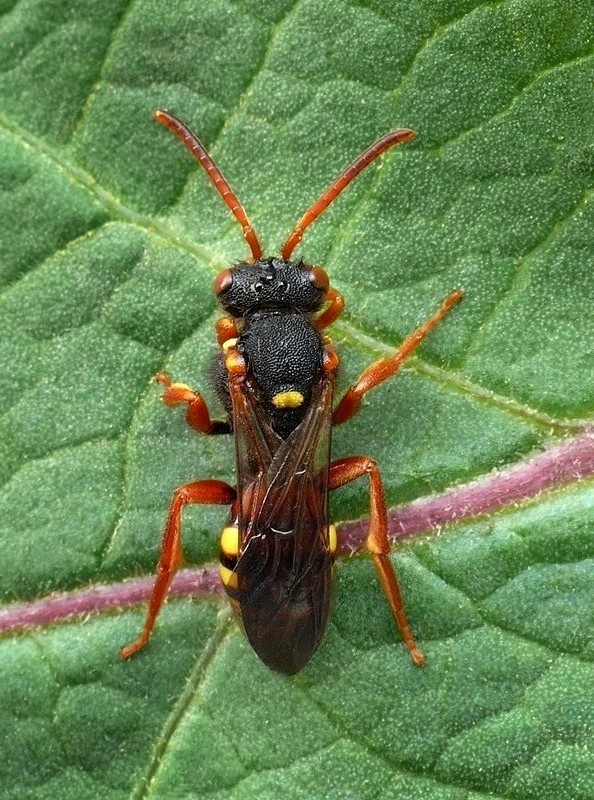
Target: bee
275 376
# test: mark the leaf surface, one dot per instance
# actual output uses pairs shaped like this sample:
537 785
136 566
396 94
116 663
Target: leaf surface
110 240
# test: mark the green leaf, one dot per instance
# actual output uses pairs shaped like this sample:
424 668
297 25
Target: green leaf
111 236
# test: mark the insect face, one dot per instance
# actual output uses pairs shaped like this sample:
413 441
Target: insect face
271 283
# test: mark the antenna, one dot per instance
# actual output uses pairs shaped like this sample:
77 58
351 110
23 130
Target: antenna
343 180
197 149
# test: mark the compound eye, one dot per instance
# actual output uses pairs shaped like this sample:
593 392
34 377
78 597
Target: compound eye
223 281
319 279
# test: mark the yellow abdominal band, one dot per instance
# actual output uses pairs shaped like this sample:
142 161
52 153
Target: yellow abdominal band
229 553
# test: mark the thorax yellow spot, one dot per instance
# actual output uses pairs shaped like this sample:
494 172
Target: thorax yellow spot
228 344
288 399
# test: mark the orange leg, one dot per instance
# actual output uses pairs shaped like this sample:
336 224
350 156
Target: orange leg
386 367
332 311
197 415
349 469
226 329
202 492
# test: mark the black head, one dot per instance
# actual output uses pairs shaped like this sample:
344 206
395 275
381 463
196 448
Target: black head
271 283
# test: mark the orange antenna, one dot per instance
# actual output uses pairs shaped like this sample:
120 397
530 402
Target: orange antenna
343 180
197 149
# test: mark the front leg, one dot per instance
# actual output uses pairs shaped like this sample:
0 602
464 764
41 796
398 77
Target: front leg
197 415
384 368
208 492
333 310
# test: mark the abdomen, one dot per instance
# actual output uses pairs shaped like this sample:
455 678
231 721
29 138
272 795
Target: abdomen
280 589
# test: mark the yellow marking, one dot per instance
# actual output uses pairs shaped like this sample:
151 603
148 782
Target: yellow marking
183 387
230 541
332 538
229 344
288 399
228 577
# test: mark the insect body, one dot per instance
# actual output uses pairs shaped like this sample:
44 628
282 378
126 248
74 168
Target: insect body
275 377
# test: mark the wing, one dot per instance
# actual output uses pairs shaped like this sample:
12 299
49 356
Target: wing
284 568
